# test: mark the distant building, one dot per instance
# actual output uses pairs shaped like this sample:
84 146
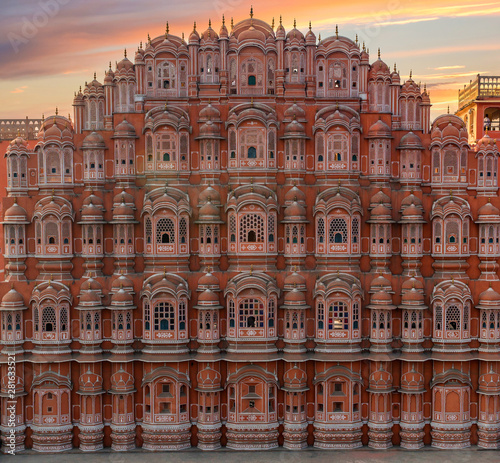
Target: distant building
253 238
13 128
479 107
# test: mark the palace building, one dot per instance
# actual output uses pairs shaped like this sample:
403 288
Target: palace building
251 238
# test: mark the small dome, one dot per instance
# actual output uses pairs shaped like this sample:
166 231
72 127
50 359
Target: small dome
295 210
209 211
122 282
12 299
122 298
295 297
123 197
295 127
295 194
252 34
380 282
123 210
488 210
411 199
94 140
211 193
411 283
379 67
209 129
412 381
489 298
90 298
295 378
122 381
90 382
209 379
209 113
411 141
381 298
379 130
295 34
208 281
412 297
15 213
92 211
489 382
294 112
93 199
125 64
295 280
91 285
381 380
208 297
412 211
486 143
380 211
380 198
124 129
18 144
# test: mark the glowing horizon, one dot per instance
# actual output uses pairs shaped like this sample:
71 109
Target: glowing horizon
443 43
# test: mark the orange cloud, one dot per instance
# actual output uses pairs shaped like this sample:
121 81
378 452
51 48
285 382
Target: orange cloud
19 89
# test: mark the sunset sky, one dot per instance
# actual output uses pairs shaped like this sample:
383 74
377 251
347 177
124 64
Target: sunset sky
45 57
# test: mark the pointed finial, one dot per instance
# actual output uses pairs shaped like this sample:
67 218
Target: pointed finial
448 109
310 25
294 23
164 271
364 47
394 67
379 53
223 20
194 26
281 20
251 269
209 23
125 53
232 23
183 37
43 115
272 24
140 45
356 39
251 11
167 30
95 75
149 39
319 38
337 31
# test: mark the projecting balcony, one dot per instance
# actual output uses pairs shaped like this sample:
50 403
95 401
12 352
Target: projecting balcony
482 87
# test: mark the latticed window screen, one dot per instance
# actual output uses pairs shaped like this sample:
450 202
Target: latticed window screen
182 315
149 231
165 148
165 232
48 319
183 230
338 316
88 321
321 230
164 316
271 312
355 316
147 316
439 318
271 226
321 315
251 313
452 318
466 317
51 233
97 320
337 148
129 320
232 314
251 228
36 318
338 231
64 319
355 230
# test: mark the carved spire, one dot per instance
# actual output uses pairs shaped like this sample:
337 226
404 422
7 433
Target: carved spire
251 12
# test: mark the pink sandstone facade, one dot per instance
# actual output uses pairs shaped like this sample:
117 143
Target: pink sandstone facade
250 239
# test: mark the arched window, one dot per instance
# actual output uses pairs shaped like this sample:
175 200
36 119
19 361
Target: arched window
165 231
164 317
48 320
252 152
252 80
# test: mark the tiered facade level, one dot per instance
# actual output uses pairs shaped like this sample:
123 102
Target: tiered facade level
251 239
